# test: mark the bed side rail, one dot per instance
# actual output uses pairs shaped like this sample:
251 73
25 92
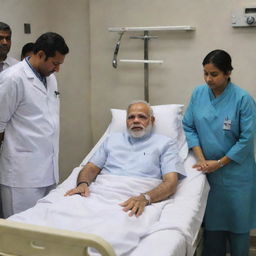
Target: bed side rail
20 239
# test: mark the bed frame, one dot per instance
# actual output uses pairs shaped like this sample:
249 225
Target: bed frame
18 239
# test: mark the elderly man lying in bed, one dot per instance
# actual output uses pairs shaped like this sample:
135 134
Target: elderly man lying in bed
129 171
137 153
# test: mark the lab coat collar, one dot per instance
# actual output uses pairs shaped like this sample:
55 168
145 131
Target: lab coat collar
31 75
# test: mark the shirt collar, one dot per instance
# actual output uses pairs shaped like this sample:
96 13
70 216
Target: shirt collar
133 140
38 75
6 62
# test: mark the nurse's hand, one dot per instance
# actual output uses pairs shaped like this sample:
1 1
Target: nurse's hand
82 189
208 166
213 165
201 166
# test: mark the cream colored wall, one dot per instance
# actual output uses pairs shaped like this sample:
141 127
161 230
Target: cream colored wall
182 52
71 19
16 13
72 22
84 23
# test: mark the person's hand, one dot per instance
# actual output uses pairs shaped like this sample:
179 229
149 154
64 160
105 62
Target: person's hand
201 165
207 166
82 189
135 205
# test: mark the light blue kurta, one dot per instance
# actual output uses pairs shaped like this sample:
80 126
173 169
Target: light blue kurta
232 199
151 156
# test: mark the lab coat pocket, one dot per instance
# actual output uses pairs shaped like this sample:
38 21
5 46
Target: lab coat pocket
53 102
31 169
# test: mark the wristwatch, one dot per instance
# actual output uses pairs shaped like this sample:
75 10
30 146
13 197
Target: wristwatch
147 197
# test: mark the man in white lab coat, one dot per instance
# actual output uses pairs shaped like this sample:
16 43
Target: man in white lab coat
29 125
5 46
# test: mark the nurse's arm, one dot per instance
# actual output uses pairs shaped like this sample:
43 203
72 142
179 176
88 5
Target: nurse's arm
224 160
199 153
201 164
208 166
214 165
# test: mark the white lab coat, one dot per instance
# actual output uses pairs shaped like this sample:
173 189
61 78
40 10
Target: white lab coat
29 118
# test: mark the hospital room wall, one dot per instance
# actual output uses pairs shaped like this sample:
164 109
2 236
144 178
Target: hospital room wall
182 52
72 22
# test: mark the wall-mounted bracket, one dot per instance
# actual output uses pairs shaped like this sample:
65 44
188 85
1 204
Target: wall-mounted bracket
146 37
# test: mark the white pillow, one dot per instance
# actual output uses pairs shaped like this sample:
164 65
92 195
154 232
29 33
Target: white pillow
168 122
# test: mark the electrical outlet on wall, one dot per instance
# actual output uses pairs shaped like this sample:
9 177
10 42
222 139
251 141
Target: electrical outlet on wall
27 28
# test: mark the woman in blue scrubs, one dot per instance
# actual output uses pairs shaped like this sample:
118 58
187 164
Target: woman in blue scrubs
220 124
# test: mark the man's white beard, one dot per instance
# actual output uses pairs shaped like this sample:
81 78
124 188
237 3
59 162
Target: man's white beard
141 133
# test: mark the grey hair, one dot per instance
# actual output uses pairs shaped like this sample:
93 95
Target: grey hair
151 113
5 27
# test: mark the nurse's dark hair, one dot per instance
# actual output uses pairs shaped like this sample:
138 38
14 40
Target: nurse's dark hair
220 59
51 43
5 27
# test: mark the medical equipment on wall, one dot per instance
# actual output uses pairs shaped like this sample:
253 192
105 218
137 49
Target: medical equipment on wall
145 37
244 17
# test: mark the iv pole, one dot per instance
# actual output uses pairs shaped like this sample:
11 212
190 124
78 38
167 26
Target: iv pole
146 67
146 61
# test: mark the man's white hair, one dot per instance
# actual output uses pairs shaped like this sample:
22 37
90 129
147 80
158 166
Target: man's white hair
151 113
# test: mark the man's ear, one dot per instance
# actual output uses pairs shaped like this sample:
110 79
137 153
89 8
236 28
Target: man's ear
152 119
41 54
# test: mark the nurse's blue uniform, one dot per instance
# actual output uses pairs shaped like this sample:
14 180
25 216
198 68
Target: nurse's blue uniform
225 126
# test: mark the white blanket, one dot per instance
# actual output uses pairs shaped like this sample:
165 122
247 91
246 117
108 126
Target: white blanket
182 214
100 213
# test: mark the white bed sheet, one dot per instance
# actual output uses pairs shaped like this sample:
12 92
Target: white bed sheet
175 232
163 242
181 220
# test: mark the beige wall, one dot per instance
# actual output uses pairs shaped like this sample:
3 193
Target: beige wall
71 19
89 85
16 13
72 22
182 52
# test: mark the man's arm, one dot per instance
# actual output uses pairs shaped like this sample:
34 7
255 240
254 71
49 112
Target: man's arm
86 176
137 204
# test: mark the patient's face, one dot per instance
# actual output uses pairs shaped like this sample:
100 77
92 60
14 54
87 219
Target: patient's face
139 122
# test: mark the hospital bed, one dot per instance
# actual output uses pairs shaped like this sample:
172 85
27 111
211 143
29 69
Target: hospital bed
174 233
19 239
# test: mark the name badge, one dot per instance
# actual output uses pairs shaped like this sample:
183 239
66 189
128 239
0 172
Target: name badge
227 124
